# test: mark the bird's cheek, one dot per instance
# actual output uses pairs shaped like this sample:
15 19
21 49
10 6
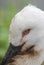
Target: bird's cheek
38 49
27 43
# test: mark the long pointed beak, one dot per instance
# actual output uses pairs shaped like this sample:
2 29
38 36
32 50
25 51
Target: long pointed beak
11 52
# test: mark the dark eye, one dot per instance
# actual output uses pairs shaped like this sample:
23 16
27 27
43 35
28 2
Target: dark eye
25 32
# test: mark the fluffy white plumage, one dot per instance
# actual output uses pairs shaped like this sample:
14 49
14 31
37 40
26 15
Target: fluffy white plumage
32 18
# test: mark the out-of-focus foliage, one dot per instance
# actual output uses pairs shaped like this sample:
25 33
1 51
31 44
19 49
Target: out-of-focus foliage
5 19
6 14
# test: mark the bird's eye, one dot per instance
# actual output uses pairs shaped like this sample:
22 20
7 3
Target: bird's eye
25 32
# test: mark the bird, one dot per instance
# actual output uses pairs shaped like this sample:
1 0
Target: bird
26 38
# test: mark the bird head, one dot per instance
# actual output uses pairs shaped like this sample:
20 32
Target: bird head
28 27
27 32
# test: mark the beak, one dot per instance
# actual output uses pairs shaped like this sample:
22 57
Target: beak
11 52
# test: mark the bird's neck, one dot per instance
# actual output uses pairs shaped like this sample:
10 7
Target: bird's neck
28 60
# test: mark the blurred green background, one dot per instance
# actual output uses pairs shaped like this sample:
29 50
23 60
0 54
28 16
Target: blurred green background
5 19
6 14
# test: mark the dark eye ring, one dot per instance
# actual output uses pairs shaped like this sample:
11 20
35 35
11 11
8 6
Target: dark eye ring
25 32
